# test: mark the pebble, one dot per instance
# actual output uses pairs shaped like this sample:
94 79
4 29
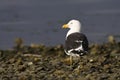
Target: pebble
46 63
91 60
30 63
111 39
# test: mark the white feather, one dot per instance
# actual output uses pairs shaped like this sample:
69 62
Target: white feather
75 26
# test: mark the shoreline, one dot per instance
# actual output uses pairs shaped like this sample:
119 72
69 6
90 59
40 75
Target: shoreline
40 62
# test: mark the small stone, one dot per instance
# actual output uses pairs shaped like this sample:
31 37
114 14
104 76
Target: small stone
111 39
19 61
36 59
30 63
12 60
19 42
1 54
113 52
88 76
2 70
67 61
34 45
22 78
95 49
59 72
21 68
91 60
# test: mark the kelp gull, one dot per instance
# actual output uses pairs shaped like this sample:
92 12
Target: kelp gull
76 43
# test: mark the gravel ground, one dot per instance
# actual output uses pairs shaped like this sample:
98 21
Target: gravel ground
39 62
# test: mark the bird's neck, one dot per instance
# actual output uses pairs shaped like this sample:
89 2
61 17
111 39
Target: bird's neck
72 31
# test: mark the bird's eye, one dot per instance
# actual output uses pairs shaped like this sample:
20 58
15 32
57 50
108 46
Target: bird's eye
71 23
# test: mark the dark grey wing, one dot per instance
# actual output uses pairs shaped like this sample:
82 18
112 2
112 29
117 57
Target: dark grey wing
85 43
72 42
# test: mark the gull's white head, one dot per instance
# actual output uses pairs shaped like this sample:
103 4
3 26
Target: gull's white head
74 25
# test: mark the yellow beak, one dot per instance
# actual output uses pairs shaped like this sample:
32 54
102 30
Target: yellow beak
65 26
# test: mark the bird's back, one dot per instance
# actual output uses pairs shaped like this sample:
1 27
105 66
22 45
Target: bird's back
74 41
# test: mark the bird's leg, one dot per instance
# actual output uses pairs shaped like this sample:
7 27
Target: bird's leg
78 59
71 60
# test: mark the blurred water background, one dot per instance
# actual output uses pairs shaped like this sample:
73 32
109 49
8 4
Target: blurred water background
40 21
